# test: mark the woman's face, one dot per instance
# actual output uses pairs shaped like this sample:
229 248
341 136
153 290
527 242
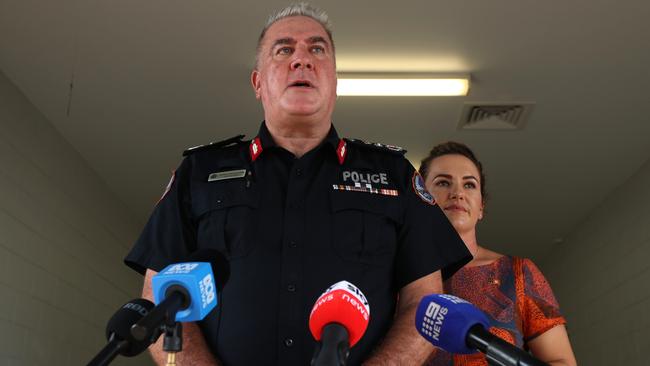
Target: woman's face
454 182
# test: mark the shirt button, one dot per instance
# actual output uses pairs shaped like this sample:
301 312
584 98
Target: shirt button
291 288
293 244
298 172
288 342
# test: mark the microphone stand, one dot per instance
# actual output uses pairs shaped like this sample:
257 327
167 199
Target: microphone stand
497 351
109 352
333 348
162 319
149 326
173 341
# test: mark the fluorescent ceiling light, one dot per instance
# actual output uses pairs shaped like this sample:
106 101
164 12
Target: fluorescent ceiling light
401 85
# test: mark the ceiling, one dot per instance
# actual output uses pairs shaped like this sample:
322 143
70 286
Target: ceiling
151 78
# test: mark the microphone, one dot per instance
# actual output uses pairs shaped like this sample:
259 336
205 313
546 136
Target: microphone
338 320
457 326
120 340
183 292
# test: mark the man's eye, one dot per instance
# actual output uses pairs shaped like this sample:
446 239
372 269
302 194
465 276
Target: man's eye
318 49
284 51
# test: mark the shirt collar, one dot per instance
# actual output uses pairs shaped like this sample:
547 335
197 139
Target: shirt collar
264 141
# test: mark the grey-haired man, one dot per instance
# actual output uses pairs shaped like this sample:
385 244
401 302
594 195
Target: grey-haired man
304 213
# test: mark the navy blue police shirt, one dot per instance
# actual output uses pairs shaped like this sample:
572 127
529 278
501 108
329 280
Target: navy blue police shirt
290 228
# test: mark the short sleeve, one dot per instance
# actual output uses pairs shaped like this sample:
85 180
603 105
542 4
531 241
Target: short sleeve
541 309
169 234
427 240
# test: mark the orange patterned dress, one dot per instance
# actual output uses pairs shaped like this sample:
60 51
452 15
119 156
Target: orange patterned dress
514 295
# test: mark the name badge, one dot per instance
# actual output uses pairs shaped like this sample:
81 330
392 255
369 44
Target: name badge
228 174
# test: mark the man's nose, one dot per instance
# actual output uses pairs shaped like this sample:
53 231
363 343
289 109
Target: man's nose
302 60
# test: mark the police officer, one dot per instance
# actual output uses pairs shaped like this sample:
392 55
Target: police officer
296 210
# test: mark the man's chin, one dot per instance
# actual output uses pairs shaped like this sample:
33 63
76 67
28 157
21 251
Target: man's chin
301 109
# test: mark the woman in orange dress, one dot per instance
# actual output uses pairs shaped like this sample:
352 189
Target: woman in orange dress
511 291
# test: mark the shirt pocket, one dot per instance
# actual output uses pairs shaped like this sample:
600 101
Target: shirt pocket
365 227
225 215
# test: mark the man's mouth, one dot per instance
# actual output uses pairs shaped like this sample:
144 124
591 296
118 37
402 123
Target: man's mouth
301 84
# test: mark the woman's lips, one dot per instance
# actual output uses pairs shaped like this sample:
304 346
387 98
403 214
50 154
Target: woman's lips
455 208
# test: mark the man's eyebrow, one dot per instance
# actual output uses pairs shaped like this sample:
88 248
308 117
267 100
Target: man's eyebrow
291 41
317 39
282 41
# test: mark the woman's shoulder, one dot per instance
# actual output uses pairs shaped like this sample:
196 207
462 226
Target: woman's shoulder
528 266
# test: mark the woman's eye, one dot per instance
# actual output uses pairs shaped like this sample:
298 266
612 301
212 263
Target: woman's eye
442 183
470 185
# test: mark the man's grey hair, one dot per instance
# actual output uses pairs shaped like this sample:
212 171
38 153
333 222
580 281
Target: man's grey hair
296 10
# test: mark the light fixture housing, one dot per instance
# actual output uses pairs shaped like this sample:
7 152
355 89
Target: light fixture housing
402 84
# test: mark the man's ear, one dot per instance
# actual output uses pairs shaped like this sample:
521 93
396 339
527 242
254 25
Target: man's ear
255 82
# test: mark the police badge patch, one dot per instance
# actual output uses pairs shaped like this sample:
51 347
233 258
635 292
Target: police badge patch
363 181
421 190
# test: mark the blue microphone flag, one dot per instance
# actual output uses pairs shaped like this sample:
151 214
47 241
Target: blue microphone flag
445 320
197 279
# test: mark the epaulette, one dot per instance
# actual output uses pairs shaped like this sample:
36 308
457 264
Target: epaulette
378 146
214 145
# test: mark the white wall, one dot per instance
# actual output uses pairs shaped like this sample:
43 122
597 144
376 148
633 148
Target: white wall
63 236
62 239
601 276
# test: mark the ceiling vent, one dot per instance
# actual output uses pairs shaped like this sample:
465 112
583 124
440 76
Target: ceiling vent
494 116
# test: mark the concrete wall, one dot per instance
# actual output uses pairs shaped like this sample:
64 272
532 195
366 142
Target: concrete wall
62 239
601 276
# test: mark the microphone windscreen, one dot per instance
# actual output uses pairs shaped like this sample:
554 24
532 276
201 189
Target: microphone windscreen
119 326
445 320
342 303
